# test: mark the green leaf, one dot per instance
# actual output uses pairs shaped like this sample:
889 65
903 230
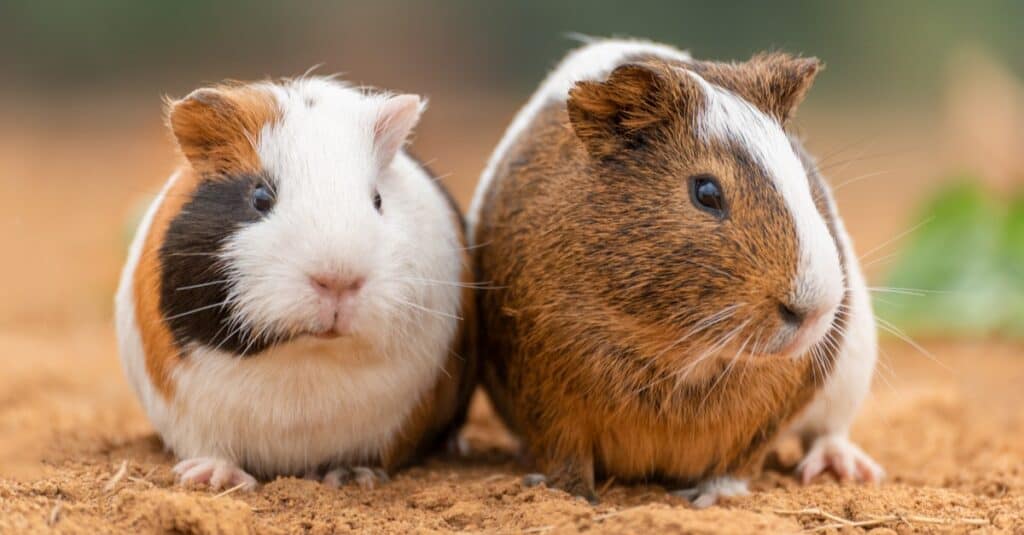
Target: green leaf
948 280
1012 255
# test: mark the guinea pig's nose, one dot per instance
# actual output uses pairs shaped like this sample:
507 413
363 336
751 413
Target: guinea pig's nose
333 285
792 315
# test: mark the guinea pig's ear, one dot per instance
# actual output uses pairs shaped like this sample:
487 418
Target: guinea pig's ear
618 113
395 120
782 81
217 129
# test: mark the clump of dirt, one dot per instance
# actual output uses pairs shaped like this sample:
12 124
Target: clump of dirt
951 437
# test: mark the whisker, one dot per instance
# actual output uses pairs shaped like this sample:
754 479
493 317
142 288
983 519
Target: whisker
896 238
202 285
859 158
895 331
200 309
881 259
725 372
858 178
195 254
428 310
708 353
471 285
912 291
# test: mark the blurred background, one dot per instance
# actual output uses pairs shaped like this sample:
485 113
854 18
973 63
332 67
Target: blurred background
918 121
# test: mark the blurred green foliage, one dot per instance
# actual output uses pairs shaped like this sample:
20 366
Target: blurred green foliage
885 50
962 271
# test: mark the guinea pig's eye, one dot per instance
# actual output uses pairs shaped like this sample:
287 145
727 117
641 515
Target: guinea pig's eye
262 199
377 200
707 195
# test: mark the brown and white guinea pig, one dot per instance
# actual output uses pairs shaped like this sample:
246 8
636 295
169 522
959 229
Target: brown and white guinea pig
674 285
292 302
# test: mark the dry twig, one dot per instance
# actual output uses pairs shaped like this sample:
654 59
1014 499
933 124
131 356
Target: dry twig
229 491
55 513
117 477
877 520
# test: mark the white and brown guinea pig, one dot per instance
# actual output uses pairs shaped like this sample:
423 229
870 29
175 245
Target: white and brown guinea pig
674 285
292 302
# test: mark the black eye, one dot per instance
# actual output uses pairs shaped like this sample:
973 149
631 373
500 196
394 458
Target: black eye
376 200
262 199
707 195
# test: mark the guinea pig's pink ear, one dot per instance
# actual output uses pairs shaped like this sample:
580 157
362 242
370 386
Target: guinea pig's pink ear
217 129
617 114
395 120
782 82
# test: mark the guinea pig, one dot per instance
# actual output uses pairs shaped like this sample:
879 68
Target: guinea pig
673 287
294 302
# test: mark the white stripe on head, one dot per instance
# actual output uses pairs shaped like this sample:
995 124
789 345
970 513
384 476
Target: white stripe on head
591 62
728 117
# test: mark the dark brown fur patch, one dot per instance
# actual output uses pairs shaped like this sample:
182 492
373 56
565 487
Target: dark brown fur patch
606 271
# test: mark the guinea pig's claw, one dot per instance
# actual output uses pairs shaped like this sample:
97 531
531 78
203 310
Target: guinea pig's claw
843 457
709 492
532 480
535 479
456 445
366 478
217 473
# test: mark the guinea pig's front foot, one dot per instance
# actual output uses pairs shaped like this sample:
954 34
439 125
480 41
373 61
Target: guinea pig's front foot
218 473
709 492
366 477
843 457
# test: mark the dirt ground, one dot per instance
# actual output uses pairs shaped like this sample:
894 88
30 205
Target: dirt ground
78 456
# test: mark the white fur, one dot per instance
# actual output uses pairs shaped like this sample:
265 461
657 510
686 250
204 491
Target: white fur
311 401
827 420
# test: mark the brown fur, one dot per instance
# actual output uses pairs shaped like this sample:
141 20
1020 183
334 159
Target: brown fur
443 411
775 83
606 269
216 128
213 128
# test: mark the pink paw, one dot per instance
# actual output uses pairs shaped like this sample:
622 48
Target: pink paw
218 473
843 457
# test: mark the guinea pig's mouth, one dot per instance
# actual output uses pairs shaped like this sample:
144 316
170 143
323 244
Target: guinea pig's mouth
328 334
807 337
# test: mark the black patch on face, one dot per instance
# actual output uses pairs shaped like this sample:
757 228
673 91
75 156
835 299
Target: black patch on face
194 285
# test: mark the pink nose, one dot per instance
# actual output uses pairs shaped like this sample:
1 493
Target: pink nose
334 286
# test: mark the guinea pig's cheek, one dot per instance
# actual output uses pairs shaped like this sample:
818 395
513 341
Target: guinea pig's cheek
261 290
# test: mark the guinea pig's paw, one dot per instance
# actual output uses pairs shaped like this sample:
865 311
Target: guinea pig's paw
532 480
578 489
456 445
709 492
843 457
218 473
365 477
